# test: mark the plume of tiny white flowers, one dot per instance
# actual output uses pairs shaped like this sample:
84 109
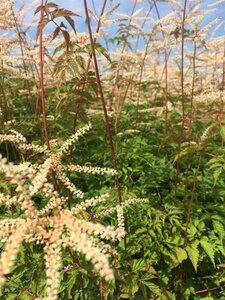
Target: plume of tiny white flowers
21 142
11 249
124 204
53 161
89 203
90 170
55 225
33 228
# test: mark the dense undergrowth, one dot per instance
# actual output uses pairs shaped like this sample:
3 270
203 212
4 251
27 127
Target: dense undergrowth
161 258
134 209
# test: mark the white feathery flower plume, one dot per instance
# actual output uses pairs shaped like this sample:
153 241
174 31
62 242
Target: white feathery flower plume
56 226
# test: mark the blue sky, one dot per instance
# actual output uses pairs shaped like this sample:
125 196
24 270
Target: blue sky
126 8
127 5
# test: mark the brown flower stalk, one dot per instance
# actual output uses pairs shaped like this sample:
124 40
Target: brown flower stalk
107 124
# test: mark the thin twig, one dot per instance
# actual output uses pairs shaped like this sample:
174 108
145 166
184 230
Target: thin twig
210 289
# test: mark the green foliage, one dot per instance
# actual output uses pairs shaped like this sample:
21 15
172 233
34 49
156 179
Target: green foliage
51 12
164 255
193 253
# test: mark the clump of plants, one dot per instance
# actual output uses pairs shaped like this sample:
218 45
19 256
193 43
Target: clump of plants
154 92
60 223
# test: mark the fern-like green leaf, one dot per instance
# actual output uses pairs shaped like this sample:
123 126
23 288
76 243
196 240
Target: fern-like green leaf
178 255
152 287
219 228
193 253
138 264
208 248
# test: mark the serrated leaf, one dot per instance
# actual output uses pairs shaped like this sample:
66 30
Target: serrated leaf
152 287
193 253
178 255
138 265
219 228
207 247
147 276
217 173
221 249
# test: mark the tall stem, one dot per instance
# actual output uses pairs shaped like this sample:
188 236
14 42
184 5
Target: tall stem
166 57
108 129
89 62
182 64
42 88
191 202
42 93
182 101
97 31
192 88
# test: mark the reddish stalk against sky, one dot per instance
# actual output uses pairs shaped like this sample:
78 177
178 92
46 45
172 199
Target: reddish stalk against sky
98 79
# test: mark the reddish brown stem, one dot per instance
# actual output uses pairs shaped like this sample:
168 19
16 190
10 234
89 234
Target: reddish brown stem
97 30
166 57
82 84
42 88
182 64
42 93
180 139
190 117
216 288
192 90
191 202
108 129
